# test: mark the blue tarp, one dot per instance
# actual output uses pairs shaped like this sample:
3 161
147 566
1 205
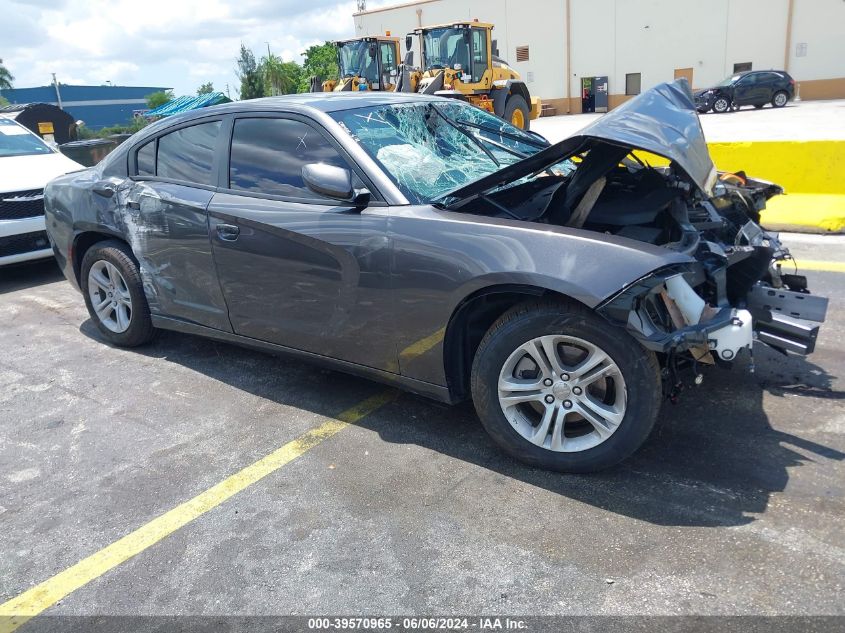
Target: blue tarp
184 104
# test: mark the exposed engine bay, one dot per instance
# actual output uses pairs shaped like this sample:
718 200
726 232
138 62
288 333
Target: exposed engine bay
740 285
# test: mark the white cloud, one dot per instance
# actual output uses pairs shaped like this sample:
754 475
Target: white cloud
174 43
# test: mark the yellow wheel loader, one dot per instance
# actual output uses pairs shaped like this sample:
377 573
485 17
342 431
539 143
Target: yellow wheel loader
366 63
457 60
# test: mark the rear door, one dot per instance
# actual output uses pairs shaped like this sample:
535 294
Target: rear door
298 269
174 177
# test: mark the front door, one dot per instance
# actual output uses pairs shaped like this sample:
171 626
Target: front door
298 269
747 90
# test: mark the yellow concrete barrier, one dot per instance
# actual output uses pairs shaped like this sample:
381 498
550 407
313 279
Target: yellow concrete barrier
811 172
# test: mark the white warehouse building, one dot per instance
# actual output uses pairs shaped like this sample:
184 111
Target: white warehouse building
560 47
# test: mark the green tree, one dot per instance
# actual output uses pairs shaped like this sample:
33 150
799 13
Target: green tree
159 98
205 89
6 77
280 78
3 101
320 61
252 82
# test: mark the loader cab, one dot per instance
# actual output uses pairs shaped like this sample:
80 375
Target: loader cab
462 48
368 64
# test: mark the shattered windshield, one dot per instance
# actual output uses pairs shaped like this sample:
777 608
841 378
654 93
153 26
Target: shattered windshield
355 59
727 81
429 149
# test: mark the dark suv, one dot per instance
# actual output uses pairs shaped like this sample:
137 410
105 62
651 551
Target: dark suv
755 87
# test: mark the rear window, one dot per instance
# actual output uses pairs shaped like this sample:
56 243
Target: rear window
146 159
188 154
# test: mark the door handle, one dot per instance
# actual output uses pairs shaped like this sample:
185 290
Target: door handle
134 204
228 232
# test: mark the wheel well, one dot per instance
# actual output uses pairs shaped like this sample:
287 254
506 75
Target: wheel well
470 322
519 88
82 243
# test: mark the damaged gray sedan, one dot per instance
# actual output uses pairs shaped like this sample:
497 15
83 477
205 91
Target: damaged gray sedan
567 289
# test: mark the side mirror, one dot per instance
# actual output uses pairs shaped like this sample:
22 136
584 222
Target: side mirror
408 43
373 50
409 59
333 182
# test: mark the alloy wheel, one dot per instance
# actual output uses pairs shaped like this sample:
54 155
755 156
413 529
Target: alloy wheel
562 393
780 99
721 105
110 296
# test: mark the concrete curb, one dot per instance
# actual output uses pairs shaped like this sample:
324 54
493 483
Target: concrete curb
811 172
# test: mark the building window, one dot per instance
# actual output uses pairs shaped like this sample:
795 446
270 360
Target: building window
522 53
742 67
632 83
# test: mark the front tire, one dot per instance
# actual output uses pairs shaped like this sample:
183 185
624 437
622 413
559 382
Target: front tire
555 386
517 112
721 105
114 294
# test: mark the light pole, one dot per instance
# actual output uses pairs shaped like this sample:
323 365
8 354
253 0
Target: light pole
58 93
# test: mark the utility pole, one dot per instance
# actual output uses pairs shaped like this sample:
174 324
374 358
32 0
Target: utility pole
269 55
58 94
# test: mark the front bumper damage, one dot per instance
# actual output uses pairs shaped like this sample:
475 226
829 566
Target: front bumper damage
785 319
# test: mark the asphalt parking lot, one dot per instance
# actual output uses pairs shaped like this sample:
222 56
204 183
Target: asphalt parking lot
735 505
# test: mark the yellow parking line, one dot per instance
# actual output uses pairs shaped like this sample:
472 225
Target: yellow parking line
421 346
30 603
809 264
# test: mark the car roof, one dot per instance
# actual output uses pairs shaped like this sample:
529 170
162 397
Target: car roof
757 72
320 101
304 103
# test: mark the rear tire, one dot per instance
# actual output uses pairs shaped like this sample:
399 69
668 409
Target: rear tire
780 99
534 413
111 283
517 112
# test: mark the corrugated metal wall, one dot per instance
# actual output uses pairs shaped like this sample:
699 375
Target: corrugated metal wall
98 106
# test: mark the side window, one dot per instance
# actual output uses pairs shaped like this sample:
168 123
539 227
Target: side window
188 154
268 156
479 54
146 159
387 56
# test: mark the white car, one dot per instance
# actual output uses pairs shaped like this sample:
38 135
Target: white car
27 164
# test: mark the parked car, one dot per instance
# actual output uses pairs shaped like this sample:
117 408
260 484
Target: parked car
425 243
26 164
755 88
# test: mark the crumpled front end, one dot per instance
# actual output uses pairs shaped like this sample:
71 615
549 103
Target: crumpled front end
737 290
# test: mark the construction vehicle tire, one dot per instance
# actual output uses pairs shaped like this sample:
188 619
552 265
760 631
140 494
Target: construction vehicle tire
517 112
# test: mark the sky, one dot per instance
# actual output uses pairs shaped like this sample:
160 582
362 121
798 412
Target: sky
179 44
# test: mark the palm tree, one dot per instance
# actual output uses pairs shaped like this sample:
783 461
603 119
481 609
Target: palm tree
5 77
280 78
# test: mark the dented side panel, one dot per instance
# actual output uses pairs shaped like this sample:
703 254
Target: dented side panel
166 225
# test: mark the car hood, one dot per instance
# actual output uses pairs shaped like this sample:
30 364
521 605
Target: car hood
22 173
662 120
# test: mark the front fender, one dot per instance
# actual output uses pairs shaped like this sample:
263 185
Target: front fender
441 257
